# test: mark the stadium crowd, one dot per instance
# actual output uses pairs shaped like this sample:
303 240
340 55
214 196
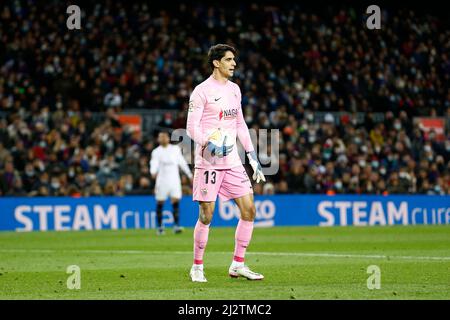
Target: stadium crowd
293 62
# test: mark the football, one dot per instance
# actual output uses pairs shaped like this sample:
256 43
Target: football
220 137
216 137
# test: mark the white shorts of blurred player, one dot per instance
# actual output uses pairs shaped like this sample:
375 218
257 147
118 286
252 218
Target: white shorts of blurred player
163 191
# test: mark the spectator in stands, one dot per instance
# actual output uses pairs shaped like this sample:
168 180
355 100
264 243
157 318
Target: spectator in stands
113 99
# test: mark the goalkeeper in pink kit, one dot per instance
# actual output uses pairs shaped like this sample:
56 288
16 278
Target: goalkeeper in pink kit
215 119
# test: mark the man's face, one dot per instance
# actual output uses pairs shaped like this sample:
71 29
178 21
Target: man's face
163 138
9 167
226 65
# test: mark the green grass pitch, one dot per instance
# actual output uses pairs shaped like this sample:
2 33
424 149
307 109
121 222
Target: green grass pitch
298 263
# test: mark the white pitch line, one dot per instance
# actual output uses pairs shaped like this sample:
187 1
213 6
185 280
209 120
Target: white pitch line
295 254
344 255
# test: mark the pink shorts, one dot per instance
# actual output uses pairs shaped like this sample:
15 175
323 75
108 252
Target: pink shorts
227 183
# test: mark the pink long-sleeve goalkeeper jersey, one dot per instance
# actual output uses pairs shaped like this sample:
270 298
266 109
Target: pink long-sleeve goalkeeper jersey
214 105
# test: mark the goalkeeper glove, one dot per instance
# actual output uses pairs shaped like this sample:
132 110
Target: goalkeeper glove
257 170
220 151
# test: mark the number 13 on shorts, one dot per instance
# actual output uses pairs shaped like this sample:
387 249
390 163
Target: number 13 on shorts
228 184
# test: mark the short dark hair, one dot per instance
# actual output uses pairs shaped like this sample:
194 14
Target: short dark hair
217 52
159 130
164 132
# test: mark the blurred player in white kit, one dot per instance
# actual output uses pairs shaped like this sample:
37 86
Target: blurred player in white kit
165 162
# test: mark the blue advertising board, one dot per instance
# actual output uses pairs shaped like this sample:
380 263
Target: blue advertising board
96 213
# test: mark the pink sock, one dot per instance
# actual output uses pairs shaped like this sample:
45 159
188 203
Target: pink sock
201 232
243 235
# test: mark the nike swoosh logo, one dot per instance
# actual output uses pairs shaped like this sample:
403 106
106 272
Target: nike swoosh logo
217 99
